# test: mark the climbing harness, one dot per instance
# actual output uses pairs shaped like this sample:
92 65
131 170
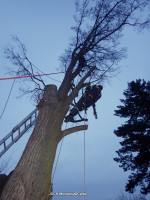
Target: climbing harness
91 96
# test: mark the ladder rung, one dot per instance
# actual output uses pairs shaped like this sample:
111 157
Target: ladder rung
14 139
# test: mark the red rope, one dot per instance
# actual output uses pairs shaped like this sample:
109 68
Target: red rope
29 76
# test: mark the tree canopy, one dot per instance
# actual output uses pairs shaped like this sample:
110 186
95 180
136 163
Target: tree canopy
134 154
98 27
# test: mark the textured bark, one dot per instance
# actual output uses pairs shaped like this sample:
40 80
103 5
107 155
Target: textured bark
33 173
31 180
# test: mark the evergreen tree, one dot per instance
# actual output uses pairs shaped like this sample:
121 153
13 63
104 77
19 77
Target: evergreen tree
134 154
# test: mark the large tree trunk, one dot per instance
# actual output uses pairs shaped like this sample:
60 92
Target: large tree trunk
31 178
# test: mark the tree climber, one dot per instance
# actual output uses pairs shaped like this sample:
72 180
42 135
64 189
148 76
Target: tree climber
89 98
82 62
81 65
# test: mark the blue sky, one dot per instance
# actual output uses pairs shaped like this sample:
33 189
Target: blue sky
44 28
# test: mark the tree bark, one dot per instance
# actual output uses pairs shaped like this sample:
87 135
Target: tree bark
32 175
31 180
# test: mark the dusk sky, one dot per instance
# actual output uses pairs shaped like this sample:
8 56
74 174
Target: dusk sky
44 28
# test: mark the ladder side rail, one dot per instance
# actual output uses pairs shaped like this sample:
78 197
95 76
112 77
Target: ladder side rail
23 131
24 120
32 117
17 127
16 138
6 137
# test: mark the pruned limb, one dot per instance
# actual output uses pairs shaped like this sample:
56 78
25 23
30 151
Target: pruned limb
74 129
79 120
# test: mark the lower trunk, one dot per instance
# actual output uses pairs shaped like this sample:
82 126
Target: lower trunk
31 180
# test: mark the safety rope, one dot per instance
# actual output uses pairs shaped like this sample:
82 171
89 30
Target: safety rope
7 99
84 165
45 194
17 77
58 158
54 169
46 75
85 117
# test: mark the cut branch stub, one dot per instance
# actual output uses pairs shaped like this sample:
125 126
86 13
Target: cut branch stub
74 129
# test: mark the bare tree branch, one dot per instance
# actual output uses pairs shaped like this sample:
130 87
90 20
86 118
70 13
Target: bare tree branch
98 29
99 26
25 67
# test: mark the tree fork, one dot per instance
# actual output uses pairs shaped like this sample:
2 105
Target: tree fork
32 175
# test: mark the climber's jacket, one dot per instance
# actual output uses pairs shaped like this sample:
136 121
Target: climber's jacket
94 92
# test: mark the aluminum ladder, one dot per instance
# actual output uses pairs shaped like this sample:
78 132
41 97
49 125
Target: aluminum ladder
18 131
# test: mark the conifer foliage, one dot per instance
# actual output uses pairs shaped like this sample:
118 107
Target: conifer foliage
134 155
